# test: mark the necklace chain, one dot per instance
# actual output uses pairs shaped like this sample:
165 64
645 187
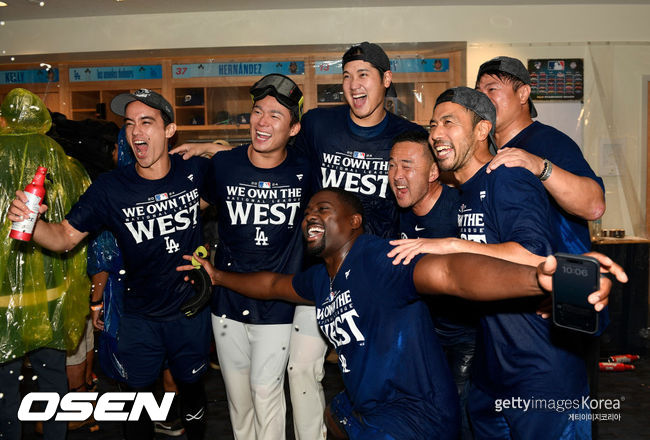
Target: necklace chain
337 269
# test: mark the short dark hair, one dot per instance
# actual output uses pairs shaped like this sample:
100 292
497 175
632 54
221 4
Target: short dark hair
346 197
416 136
507 78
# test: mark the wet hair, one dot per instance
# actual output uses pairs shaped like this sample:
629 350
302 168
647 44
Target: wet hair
505 77
347 198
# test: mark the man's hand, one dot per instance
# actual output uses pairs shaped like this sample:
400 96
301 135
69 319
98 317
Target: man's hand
599 298
203 149
406 249
516 157
209 268
18 211
97 323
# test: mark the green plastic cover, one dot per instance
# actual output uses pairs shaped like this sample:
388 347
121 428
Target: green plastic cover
43 295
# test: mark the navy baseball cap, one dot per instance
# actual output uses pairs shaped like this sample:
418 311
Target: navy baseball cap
283 89
511 66
475 101
146 96
373 54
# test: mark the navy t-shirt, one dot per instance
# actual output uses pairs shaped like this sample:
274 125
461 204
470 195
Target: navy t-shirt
155 223
516 353
549 143
393 368
355 158
259 215
452 316
440 222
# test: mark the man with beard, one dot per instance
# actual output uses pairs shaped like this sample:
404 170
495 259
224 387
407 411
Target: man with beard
396 379
505 214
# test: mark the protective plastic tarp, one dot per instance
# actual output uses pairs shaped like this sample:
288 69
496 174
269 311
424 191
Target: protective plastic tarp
43 295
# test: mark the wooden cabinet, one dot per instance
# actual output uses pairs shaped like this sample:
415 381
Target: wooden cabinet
208 88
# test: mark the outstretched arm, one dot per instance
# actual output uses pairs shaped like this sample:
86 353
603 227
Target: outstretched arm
258 285
203 149
481 278
577 195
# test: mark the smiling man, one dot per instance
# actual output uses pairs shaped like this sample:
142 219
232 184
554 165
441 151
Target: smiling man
429 210
152 209
260 191
349 146
397 384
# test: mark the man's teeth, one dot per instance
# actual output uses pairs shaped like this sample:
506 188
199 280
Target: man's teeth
400 186
262 134
358 96
314 230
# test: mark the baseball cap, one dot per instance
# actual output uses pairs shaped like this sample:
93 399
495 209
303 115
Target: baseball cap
511 66
281 88
146 96
475 101
373 54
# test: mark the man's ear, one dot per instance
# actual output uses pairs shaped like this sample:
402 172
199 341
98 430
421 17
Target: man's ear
295 128
356 220
434 172
523 93
482 129
170 129
388 78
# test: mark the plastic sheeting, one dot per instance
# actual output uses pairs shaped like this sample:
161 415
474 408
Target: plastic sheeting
43 295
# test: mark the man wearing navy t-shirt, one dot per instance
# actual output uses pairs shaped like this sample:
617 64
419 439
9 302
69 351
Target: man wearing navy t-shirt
429 210
349 146
260 191
505 214
397 383
576 193
152 209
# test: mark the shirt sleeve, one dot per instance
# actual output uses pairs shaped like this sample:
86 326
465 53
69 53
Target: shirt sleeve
520 205
566 154
306 283
88 213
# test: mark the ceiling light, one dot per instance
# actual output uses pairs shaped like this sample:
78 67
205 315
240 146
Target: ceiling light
13 58
3 4
2 22
41 4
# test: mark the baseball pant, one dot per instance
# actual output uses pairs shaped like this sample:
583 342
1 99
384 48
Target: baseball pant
306 370
253 359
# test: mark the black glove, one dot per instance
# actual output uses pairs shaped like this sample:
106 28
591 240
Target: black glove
203 285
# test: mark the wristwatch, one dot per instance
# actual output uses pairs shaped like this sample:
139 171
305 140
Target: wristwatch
546 172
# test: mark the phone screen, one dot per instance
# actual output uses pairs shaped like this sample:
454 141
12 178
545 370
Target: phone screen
576 277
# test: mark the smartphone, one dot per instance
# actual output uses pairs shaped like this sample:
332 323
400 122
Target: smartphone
574 280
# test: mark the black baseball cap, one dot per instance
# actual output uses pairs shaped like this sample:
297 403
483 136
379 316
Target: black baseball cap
475 101
146 96
373 54
511 66
283 89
